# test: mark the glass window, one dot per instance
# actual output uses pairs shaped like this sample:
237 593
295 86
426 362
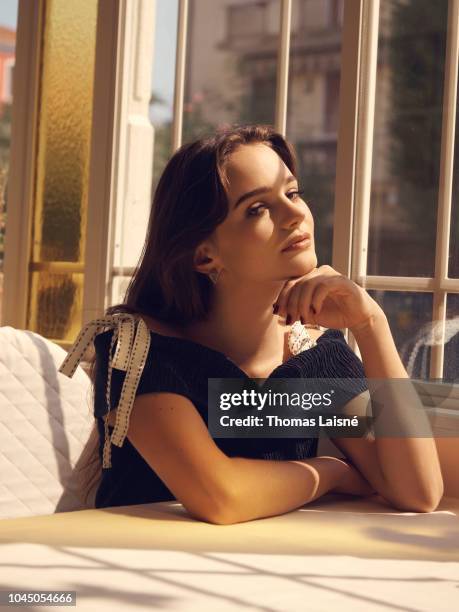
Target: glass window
63 153
226 73
407 138
312 113
451 359
337 13
231 76
248 19
162 94
410 318
314 15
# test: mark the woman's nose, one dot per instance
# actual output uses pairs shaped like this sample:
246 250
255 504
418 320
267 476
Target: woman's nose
294 211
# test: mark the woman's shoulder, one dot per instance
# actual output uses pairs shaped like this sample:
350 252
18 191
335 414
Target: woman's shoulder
151 365
103 340
157 356
159 327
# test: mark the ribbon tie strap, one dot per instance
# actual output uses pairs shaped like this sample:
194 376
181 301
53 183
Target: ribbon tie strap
132 338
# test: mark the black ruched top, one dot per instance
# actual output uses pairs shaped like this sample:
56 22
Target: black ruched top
177 365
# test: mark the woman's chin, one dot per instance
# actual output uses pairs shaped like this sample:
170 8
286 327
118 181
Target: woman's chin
303 262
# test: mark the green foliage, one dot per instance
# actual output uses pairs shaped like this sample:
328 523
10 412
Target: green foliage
416 56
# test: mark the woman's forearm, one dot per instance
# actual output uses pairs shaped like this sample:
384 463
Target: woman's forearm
267 488
409 465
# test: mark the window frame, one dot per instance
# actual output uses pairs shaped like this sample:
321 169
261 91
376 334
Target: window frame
354 152
353 182
355 148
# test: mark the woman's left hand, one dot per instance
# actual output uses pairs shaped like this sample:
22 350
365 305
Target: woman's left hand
327 298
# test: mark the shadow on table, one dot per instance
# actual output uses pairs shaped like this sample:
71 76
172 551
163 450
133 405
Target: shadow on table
329 526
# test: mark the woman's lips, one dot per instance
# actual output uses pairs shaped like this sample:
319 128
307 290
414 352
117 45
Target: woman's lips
298 246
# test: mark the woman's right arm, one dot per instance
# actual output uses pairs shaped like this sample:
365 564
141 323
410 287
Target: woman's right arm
167 430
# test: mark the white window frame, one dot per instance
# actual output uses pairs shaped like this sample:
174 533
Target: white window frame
122 145
353 184
355 147
21 179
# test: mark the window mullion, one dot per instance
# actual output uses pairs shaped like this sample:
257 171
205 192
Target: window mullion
355 141
347 135
445 189
180 65
283 66
122 150
411 283
364 147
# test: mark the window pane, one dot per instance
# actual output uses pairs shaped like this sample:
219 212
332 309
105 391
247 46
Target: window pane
314 15
8 20
246 20
162 95
312 119
64 131
63 150
451 361
410 319
56 303
231 65
407 134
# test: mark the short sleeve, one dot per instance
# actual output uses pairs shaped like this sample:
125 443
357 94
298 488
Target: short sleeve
158 375
127 363
124 369
340 362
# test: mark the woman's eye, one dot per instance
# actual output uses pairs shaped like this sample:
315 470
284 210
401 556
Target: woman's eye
296 193
253 212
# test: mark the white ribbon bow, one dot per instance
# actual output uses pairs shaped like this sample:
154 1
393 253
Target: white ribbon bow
133 342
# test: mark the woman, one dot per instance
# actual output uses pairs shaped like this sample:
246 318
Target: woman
221 291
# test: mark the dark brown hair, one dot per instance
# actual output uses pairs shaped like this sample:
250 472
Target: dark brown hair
190 201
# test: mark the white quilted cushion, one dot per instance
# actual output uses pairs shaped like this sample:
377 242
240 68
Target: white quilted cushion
45 421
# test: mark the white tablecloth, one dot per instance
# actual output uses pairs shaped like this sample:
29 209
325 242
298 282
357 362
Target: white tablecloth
333 554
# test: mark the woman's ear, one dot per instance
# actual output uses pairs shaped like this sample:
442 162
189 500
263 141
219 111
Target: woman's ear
203 260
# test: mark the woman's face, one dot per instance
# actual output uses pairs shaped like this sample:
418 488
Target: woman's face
251 239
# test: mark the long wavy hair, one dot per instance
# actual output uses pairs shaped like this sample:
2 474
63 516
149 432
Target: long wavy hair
189 202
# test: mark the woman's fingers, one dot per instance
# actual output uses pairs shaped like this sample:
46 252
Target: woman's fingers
282 301
282 298
294 301
321 290
297 298
325 297
297 302
313 293
306 311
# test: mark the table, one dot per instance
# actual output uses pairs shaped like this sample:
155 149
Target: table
337 553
